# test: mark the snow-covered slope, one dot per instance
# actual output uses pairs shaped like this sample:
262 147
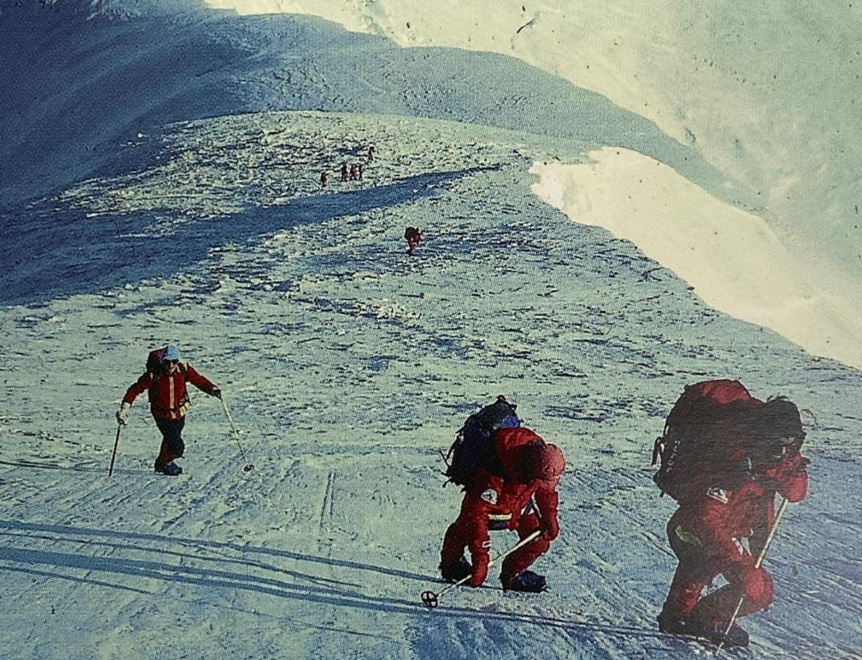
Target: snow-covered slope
766 93
347 364
80 86
138 64
733 258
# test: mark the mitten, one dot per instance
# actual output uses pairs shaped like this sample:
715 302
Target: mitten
123 414
550 528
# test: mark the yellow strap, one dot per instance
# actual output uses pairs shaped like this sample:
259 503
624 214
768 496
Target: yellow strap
686 536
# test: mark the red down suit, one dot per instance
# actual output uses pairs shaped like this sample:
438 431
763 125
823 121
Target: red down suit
169 398
500 499
706 531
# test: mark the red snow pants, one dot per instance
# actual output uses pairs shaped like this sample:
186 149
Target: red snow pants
697 569
462 534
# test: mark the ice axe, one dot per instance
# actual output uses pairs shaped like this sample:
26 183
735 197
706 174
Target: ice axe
114 455
248 466
430 598
757 564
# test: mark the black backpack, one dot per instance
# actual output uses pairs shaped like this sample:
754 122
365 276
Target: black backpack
474 444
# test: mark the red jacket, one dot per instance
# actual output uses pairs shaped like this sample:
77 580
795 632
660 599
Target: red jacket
169 398
503 497
717 517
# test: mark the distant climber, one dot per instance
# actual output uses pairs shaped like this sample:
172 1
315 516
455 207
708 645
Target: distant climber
413 236
324 179
344 171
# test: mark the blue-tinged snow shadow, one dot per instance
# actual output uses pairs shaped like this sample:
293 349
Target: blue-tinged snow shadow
53 251
45 465
205 563
103 82
24 560
137 541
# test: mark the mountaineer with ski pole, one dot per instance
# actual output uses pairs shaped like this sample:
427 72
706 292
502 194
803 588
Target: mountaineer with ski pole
510 477
431 598
165 383
725 455
757 564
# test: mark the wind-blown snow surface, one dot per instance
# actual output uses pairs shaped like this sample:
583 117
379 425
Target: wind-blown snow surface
733 259
347 365
765 92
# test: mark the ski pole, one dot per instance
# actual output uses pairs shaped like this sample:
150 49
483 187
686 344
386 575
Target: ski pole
248 466
114 455
757 564
430 598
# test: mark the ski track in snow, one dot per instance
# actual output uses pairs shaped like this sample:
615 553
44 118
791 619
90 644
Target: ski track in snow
347 365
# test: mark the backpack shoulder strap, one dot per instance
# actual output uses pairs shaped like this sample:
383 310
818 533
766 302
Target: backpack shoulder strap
459 437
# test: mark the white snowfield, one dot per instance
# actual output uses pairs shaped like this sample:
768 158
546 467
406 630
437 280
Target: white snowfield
732 258
347 364
767 93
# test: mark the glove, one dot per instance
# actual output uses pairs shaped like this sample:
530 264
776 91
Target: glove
480 572
791 465
216 392
123 414
739 568
550 529
803 465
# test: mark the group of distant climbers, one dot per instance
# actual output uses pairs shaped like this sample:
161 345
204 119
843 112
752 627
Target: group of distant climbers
724 457
352 172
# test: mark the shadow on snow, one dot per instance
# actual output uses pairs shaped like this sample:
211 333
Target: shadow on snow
306 587
53 252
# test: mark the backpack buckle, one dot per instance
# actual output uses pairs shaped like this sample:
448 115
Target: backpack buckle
657 448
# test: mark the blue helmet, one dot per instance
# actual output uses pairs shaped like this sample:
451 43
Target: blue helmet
170 352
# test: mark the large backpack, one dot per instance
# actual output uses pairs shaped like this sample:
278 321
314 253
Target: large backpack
154 362
696 443
474 444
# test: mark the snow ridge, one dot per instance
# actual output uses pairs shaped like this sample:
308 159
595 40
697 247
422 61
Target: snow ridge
156 197
347 365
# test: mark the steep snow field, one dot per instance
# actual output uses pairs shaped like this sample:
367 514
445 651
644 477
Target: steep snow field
733 258
347 364
746 124
765 92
